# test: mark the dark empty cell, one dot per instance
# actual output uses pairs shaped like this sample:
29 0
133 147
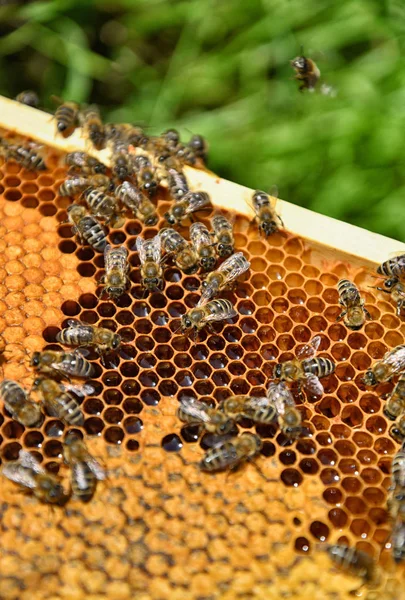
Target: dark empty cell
216 343
90 317
340 432
349 466
329 407
133 425
332 495
124 317
117 237
132 406
85 254
191 284
184 378
324 438
316 305
248 325
182 360
132 445
67 247
319 530
376 425
172 443
384 446
363 439
246 307
11 451
306 447
113 415
127 334
71 308
221 394
262 297
161 335
352 485
200 370
53 449
291 477
367 457
309 466
174 292
302 545
13 195
176 309
99 261
327 456
124 301
165 370
352 416
288 457
355 505
232 334
236 368
338 518
266 334
268 449
143 326
94 426
256 377
253 360
144 343
220 378
240 386
329 476
360 361
12 181
127 352
191 300
282 324
234 352
54 428
269 352
317 324
244 290
374 330
133 227
52 467
337 332
376 350
157 300
190 433
320 423
114 435
357 341
111 378
106 310
47 210
181 343
113 396
32 439
167 387
86 269
141 309
280 305
204 388
130 387
348 393
264 315
93 406
160 317
344 372
149 379
163 352
285 342
296 296
173 275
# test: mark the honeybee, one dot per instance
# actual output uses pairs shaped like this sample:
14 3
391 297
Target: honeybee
58 363
116 268
28 97
58 402
268 221
307 73
200 316
392 363
86 471
394 267
231 453
289 417
185 257
150 256
194 412
188 204
354 311
93 126
171 139
258 409
125 132
199 146
397 290
86 227
217 281
398 541
24 155
395 405
78 184
27 472
121 160
83 335
142 208
397 429
83 162
223 235
185 155
145 175
17 402
102 205
66 117
305 369
201 239
355 562
177 182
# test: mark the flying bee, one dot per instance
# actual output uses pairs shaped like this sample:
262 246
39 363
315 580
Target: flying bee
223 235
84 163
398 541
289 417
150 256
83 335
58 363
201 239
25 155
78 184
199 146
86 227
395 405
58 402
142 208
86 471
306 72
116 271
121 164
93 127
354 311
392 363
27 472
305 369
185 256
200 316
177 183
102 205
66 117
217 281
396 288
17 402
194 412
145 175
28 97
268 220
231 453
187 205
355 562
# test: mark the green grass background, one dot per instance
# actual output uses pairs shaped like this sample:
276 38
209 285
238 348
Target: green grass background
221 68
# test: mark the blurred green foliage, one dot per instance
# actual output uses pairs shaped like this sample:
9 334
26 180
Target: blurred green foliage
221 68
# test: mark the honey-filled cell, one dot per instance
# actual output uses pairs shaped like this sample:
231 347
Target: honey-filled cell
160 526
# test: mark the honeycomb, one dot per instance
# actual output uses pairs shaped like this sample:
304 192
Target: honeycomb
158 527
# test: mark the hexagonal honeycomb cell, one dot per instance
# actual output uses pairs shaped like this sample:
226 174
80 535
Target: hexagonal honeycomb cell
159 528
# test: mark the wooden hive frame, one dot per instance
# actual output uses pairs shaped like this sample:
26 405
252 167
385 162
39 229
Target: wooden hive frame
170 531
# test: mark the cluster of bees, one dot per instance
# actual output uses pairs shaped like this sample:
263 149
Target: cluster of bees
104 197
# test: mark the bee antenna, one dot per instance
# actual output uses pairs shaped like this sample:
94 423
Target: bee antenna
374 287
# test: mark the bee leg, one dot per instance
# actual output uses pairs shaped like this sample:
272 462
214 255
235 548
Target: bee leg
369 317
342 314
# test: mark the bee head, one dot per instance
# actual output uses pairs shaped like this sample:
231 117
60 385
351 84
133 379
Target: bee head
186 323
170 218
299 63
369 378
61 126
396 433
151 220
35 360
277 371
208 263
224 250
116 341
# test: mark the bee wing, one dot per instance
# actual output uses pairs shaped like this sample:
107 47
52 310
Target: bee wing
107 251
313 384
235 265
140 246
229 454
14 472
206 295
226 314
74 323
396 358
197 200
28 461
257 402
309 350
199 235
96 468
155 248
85 389
195 409
280 395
